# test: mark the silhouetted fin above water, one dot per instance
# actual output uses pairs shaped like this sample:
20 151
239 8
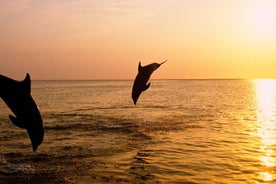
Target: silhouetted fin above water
143 76
17 96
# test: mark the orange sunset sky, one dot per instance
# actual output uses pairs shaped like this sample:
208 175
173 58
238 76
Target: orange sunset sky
105 39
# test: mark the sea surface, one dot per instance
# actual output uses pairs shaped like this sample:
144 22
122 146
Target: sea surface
180 131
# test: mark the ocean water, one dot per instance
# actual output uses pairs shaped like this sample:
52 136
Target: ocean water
180 131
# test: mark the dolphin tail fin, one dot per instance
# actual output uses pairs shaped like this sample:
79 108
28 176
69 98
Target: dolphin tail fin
16 122
146 87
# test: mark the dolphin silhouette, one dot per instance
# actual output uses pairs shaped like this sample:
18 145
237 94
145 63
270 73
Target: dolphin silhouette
17 96
143 76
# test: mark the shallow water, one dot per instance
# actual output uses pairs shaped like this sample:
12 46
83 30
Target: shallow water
181 131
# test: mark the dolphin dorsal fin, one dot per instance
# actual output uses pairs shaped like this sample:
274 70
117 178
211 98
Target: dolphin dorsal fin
139 67
27 83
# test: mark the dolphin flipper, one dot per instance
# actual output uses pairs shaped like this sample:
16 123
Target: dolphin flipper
146 87
16 122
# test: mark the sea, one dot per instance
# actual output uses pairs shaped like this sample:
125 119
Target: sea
180 131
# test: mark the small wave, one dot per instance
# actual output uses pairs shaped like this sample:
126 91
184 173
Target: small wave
122 127
118 126
7 167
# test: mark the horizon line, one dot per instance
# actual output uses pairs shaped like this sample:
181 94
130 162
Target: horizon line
108 79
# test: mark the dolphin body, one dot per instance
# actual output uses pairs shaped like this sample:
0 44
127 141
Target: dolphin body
17 96
143 76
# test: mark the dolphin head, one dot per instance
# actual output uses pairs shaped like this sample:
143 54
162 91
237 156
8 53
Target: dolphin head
163 62
17 95
153 66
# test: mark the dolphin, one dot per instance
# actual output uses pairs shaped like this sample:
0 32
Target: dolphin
143 76
17 96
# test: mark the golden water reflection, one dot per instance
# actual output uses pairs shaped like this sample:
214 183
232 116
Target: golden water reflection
266 128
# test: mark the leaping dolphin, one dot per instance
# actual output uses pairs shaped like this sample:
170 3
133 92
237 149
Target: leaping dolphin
143 76
17 96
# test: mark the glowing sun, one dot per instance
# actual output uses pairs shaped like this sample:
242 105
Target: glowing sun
262 18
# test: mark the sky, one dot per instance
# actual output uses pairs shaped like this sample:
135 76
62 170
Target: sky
106 39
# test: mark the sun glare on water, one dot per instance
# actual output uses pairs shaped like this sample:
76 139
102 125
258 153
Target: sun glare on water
266 122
